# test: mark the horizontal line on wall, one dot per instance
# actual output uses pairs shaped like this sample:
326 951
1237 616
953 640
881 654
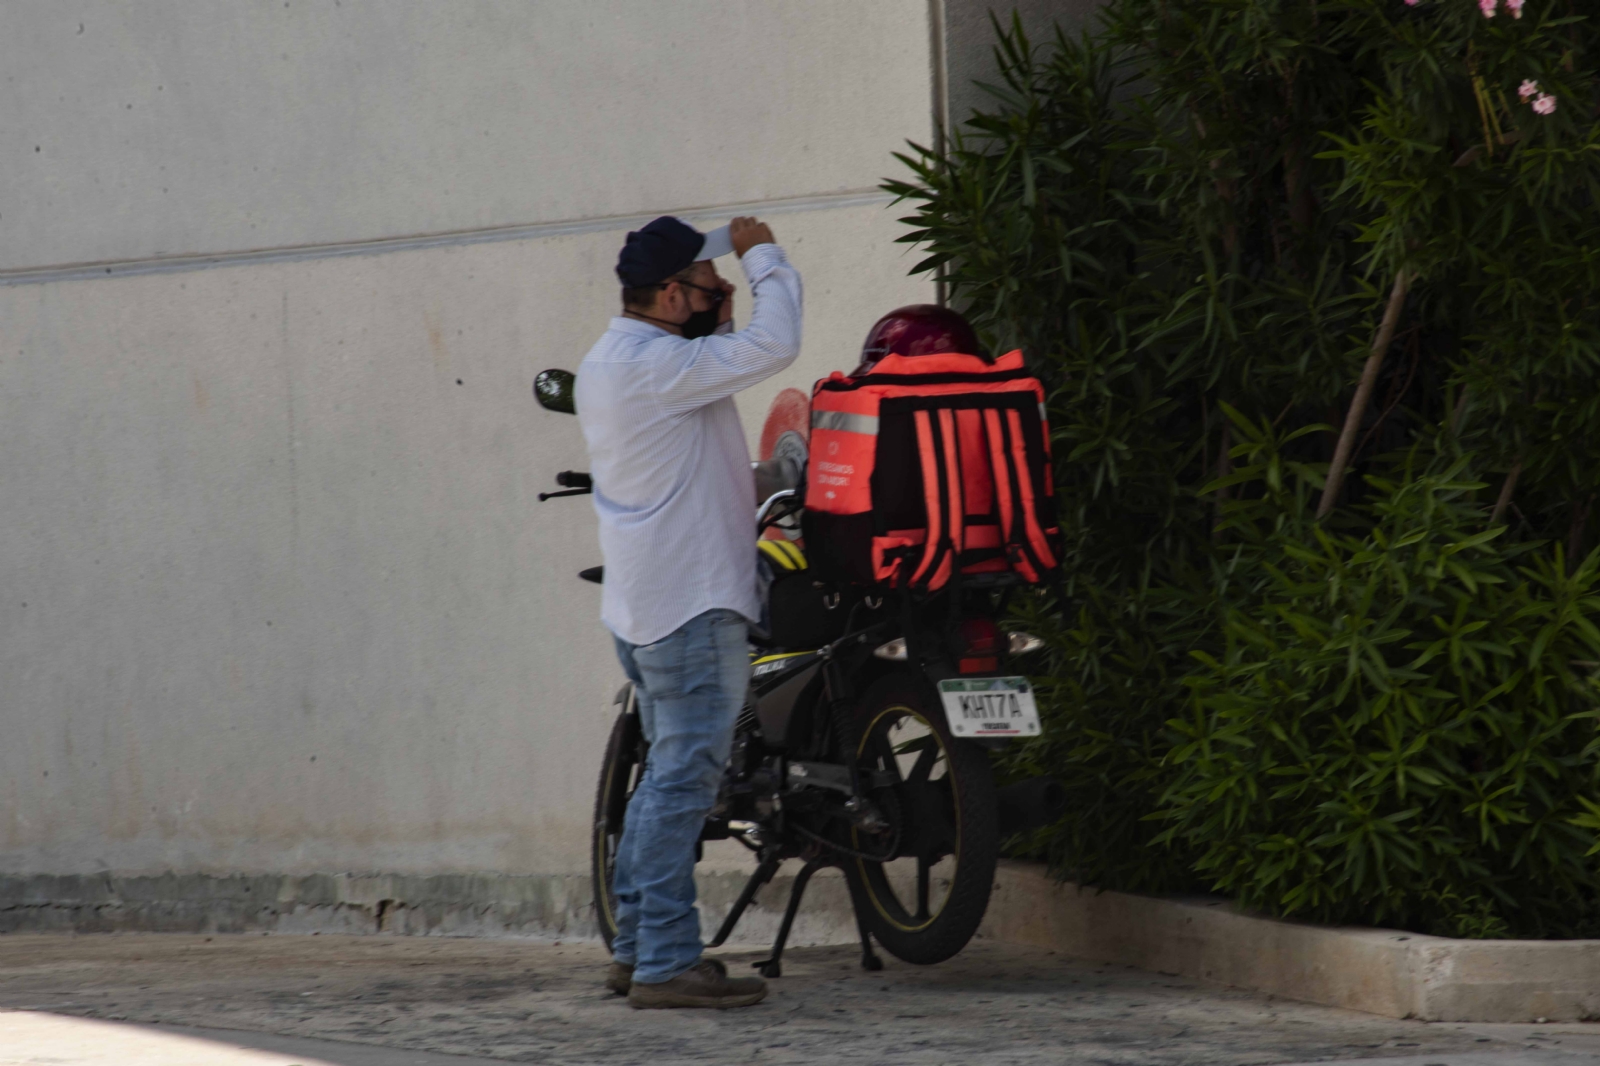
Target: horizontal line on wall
181 263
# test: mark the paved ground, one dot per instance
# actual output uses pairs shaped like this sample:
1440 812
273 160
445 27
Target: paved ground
169 1000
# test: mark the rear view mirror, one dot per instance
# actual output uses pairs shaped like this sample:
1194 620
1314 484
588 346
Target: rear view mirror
553 389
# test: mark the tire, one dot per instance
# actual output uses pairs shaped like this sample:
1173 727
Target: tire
619 776
946 811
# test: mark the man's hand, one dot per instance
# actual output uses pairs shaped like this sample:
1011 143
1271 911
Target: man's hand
748 232
725 312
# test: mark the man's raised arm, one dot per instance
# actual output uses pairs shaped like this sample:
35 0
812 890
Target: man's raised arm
725 363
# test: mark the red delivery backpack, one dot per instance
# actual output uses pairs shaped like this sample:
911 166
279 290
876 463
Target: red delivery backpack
929 466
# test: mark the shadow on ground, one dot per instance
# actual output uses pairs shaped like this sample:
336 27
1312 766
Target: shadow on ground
530 1001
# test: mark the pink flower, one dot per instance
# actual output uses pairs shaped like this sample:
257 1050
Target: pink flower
1487 7
1515 7
1528 88
1545 104
1411 3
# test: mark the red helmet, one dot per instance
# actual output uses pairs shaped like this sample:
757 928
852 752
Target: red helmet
919 329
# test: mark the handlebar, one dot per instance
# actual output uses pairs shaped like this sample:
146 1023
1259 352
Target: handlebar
771 502
577 484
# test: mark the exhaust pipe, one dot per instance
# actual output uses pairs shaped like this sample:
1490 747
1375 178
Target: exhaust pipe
1030 804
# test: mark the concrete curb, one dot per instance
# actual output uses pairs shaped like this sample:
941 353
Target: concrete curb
444 905
547 906
1381 971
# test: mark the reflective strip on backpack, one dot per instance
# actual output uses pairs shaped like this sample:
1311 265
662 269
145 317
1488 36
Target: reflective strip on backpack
845 422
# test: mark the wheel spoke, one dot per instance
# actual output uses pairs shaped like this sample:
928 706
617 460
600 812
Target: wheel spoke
926 758
905 747
930 825
922 887
883 753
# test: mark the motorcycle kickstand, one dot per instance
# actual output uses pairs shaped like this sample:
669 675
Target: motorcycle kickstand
869 958
773 966
762 875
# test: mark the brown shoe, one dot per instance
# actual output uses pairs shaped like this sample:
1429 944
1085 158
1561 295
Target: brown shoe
705 984
619 977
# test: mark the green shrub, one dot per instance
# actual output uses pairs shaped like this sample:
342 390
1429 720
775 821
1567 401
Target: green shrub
1402 723
1355 690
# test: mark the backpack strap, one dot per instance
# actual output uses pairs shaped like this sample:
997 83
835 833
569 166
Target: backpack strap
955 517
1044 558
1005 502
933 570
1013 490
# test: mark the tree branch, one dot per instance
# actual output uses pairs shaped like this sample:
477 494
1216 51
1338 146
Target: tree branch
1506 489
1363 396
1580 518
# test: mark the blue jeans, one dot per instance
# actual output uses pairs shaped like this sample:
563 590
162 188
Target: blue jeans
691 685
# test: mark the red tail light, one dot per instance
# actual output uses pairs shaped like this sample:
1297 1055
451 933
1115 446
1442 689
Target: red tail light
982 638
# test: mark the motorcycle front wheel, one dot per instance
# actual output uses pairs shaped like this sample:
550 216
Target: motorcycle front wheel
619 776
925 903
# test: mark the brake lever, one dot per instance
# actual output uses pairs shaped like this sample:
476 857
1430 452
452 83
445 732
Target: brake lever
543 496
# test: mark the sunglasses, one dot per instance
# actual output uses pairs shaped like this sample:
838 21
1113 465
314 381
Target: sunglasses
716 295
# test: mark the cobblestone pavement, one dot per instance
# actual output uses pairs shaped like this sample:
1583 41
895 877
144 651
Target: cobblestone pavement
395 1001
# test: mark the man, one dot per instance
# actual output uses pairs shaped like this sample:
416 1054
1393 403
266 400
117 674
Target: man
673 489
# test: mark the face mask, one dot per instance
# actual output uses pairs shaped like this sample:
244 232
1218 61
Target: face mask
700 324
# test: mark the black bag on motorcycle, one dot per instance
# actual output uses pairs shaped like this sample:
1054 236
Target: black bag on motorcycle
797 611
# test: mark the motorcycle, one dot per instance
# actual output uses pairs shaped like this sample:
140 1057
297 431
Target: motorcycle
861 744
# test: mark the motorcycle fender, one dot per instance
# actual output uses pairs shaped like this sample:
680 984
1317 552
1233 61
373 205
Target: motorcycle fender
779 682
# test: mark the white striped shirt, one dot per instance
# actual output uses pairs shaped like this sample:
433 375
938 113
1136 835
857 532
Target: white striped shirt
672 481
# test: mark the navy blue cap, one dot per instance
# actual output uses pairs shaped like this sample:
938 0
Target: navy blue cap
658 251
664 247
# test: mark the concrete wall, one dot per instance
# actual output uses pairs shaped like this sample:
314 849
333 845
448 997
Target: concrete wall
968 38
275 595
173 127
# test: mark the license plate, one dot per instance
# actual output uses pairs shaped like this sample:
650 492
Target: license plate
990 707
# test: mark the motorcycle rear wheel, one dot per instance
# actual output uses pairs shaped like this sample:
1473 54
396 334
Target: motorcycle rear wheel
925 904
619 776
